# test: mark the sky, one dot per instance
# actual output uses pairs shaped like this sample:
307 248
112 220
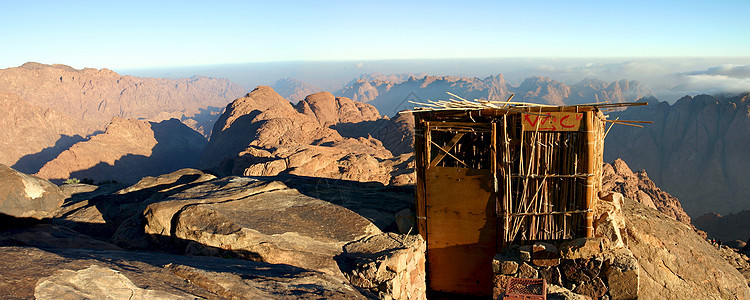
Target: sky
149 34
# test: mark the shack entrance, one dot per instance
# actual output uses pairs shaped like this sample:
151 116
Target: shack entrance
491 177
465 228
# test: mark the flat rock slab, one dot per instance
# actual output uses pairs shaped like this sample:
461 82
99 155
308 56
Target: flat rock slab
265 221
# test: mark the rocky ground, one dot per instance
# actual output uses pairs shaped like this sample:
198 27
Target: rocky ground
188 234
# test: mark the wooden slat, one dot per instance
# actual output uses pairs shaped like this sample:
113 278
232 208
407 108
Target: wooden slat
461 228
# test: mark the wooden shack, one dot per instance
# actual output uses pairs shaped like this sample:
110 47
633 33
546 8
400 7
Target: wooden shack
489 177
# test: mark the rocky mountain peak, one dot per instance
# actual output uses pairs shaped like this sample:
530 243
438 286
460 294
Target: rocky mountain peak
618 177
330 110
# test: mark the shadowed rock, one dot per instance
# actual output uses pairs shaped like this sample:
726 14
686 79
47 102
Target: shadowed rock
128 151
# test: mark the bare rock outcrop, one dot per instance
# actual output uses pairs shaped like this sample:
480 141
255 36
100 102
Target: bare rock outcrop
388 265
127 151
617 177
262 134
272 242
675 262
100 274
330 110
26 196
95 282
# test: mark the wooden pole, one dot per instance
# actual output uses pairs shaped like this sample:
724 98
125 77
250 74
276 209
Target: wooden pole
590 168
422 154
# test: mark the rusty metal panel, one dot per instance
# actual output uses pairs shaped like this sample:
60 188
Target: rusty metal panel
461 229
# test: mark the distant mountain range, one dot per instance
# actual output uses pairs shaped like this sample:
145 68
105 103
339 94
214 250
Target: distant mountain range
390 95
91 97
47 109
697 149
294 90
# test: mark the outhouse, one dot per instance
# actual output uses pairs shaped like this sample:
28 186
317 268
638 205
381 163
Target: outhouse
489 176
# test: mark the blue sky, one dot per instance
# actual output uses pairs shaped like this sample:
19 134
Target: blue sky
137 34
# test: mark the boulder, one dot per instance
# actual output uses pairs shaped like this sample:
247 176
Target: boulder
26 196
527 271
558 292
263 221
622 272
544 255
593 288
505 265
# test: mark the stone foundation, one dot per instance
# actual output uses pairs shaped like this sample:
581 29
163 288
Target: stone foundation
600 267
389 265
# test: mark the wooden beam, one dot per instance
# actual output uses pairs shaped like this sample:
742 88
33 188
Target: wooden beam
452 143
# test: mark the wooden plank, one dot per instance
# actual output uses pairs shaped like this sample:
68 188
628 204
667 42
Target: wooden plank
460 124
553 121
461 229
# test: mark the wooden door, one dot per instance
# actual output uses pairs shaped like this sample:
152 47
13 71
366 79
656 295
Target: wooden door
461 229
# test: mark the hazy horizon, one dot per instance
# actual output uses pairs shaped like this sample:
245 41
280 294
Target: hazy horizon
669 78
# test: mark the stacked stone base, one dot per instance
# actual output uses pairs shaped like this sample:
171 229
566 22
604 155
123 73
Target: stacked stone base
389 266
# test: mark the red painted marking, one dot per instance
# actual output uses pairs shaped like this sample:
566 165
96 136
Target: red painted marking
562 122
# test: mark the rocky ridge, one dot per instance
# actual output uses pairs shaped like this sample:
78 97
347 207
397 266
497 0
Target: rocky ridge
48 108
390 96
725 228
